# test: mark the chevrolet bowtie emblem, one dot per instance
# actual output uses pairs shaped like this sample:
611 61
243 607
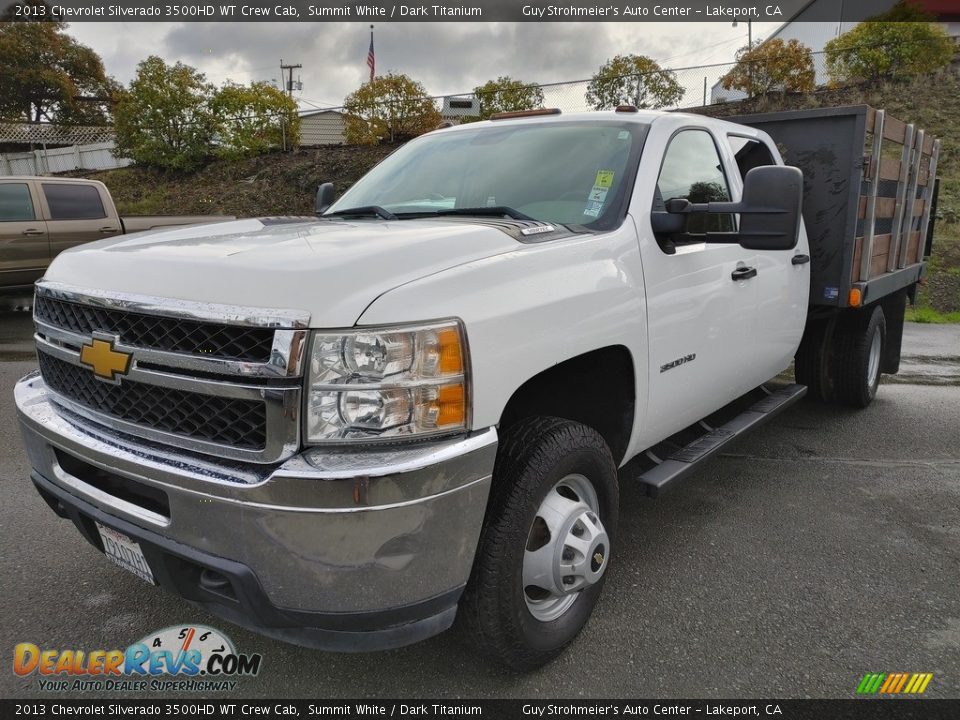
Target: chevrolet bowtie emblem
598 558
105 362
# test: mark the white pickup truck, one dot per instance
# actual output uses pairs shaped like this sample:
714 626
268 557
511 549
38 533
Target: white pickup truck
346 432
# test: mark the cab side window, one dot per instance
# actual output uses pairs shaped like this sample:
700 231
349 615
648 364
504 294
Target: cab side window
692 170
750 153
73 202
15 203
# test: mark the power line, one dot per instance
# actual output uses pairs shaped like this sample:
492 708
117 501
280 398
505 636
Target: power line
728 41
326 104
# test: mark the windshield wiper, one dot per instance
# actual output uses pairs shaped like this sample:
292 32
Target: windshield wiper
498 211
364 211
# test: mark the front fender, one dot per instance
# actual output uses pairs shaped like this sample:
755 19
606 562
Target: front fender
529 309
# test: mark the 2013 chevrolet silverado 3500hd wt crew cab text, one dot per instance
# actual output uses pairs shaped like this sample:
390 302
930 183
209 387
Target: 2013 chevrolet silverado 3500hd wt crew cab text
346 432
42 216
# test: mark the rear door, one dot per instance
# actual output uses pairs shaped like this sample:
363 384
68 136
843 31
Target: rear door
76 213
701 317
24 243
783 276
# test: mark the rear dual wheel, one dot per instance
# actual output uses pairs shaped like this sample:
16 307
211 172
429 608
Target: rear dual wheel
860 342
546 542
840 359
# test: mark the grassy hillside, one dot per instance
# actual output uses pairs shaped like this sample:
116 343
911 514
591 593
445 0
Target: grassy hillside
285 184
279 184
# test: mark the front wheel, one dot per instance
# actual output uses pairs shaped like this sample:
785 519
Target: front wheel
546 542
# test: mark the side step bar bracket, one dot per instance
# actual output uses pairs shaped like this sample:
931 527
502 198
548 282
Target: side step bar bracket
685 460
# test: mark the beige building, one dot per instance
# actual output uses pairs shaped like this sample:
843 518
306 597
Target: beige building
323 127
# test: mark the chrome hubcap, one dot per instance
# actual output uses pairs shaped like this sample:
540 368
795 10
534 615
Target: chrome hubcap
567 549
873 364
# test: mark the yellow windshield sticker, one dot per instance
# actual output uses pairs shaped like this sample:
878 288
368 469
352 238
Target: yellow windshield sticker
598 193
604 179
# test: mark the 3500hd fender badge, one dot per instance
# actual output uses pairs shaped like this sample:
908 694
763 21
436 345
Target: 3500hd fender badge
679 361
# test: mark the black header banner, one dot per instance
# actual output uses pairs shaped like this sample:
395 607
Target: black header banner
440 11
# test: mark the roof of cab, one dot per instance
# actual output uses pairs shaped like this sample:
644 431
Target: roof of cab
643 117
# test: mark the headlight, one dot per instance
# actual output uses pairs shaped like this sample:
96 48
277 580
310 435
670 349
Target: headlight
389 383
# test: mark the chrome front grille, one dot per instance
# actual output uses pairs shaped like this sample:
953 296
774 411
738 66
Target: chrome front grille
220 380
178 335
228 421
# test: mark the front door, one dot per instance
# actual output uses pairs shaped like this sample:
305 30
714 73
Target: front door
701 315
24 244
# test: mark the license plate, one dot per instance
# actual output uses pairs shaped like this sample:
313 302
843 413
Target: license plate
125 552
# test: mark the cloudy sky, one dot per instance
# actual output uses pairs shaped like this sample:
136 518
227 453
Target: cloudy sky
446 57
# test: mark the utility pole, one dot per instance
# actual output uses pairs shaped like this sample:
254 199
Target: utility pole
749 48
289 69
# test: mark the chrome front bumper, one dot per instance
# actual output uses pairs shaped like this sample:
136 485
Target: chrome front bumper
338 549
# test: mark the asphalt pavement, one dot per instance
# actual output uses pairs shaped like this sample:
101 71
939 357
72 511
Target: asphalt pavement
931 355
818 548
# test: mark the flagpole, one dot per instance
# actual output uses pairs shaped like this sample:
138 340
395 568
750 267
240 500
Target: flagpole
371 61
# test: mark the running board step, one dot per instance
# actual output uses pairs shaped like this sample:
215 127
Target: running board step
684 461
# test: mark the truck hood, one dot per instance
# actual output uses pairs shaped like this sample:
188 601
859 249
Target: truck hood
332 269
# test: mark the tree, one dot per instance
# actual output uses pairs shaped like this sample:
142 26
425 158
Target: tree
165 118
47 75
902 41
392 107
507 95
771 66
253 119
633 80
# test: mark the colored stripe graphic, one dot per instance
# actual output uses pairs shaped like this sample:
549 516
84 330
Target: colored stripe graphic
913 683
894 683
888 683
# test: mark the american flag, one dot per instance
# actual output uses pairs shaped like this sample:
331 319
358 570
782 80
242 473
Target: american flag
371 59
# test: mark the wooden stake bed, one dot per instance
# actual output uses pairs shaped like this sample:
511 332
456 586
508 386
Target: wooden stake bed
869 188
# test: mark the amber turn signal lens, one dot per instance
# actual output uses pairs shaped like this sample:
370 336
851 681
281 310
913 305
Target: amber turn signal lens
452 408
451 355
854 298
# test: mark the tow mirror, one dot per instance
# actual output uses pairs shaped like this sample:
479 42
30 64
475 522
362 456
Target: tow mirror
325 198
773 196
769 210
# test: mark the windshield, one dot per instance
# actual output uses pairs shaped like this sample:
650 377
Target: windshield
570 173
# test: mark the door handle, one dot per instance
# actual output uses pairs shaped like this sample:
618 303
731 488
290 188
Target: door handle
742 273
800 259
32 231
108 229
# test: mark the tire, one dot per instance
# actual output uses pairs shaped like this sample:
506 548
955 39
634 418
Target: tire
542 464
860 342
811 364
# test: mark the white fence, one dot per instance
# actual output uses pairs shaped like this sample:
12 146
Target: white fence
97 156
